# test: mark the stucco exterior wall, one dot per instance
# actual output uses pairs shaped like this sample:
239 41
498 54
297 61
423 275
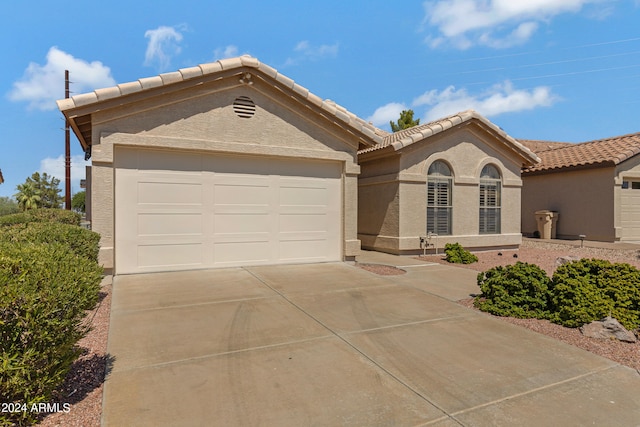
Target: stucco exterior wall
466 150
203 119
584 200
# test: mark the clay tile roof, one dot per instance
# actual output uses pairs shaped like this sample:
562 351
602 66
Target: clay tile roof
598 153
370 135
406 137
540 146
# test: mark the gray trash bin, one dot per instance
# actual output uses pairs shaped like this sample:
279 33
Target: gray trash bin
546 221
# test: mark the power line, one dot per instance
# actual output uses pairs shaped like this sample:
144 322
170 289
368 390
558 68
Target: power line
541 64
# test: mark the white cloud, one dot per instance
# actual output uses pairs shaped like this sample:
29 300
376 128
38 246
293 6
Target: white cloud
499 99
55 167
42 85
385 114
229 51
164 43
494 23
306 52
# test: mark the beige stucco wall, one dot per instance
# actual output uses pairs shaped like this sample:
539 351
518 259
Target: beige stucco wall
584 200
202 119
466 150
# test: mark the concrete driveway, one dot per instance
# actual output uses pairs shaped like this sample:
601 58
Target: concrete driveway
334 345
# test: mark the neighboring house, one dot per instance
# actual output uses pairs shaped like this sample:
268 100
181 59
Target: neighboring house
457 178
1 178
594 186
224 164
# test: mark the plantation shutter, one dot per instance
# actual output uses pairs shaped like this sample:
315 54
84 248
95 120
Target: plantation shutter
490 194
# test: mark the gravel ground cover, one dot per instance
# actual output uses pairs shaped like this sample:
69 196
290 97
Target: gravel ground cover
544 255
83 386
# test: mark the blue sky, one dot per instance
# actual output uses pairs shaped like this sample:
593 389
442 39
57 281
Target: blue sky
540 69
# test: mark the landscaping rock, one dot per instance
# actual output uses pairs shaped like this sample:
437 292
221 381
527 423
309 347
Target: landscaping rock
566 259
608 328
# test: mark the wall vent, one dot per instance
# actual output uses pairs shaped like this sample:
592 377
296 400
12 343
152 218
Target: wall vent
244 107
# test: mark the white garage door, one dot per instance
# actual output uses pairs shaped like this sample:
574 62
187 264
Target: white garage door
177 211
630 210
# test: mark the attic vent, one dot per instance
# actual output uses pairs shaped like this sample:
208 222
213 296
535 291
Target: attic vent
244 107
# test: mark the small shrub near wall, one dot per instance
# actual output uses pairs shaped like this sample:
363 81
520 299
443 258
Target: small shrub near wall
518 290
455 253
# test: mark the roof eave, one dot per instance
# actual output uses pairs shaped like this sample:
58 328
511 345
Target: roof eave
570 168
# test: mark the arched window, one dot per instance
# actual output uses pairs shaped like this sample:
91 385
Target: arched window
439 205
490 200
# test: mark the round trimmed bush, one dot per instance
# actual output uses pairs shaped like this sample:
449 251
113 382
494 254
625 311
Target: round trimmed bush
81 241
518 290
455 253
591 289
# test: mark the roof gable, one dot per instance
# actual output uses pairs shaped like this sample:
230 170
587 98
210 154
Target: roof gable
78 109
599 153
398 140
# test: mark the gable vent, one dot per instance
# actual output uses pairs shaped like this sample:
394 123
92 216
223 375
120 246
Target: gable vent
244 107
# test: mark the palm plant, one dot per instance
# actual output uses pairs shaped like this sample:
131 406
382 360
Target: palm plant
28 196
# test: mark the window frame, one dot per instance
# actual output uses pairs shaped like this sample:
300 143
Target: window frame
439 199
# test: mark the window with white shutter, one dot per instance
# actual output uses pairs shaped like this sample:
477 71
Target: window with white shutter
439 203
490 200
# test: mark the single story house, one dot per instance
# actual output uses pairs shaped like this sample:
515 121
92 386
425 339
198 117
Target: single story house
225 164
593 186
232 163
453 180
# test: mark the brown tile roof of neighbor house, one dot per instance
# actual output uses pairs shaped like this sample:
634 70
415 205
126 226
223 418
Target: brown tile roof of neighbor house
599 153
406 137
78 108
540 146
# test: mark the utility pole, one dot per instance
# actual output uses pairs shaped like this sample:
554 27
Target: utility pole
67 150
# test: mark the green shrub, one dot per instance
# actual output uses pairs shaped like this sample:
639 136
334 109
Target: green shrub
519 290
455 253
42 215
590 289
45 291
81 241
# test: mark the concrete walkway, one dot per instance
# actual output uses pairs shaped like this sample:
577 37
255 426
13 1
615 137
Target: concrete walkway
334 345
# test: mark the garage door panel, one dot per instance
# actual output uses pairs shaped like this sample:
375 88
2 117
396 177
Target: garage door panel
224 211
241 194
237 253
241 222
170 255
165 224
630 214
298 223
315 250
168 193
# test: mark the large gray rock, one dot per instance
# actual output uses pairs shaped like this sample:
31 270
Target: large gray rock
566 259
608 328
